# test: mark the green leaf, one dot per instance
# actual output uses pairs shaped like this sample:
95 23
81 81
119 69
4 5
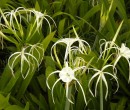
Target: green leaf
3 3
47 40
25 83
27 106
42 81
122 103
14 107
91 12
12 82
50 67
5 77
83 8
37 7
43 103
34 99
10 39
4 101
92 59
121 8
63 13
80 100
61 26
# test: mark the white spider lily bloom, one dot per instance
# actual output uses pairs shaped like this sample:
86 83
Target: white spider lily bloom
14 17
40 17
13 20
66 75
22 13
123 51
101 76
106 47
70 43
26 58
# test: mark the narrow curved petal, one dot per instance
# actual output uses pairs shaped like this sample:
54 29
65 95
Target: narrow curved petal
82 91
106 66
49 76
48 23
53 89
33 58
51 19
95 75
22 64
113 76
105 82
117 59
99 78
12 65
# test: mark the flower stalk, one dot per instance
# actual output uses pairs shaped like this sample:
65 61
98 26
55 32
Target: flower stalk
101 95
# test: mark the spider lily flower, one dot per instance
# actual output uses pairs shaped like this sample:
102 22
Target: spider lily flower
40 17
106 47
66 75
26 58
27 14
70 43
101 76
123 51
14 20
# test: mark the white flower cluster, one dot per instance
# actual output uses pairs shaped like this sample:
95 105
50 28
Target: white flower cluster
19 26
67 74
108 50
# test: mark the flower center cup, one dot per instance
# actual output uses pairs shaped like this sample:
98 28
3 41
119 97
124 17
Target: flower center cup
66 74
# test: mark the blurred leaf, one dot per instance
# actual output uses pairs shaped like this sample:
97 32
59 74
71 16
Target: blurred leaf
80 104
14 107
47 40
43 102
91 12
27 106
92 59
120 105
3 3
42 81
61 26
4 101
37 7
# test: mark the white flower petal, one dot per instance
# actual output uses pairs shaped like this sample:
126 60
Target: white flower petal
53 89
49 76
82 91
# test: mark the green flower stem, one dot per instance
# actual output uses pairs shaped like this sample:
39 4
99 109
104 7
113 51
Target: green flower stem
67 103
101 95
